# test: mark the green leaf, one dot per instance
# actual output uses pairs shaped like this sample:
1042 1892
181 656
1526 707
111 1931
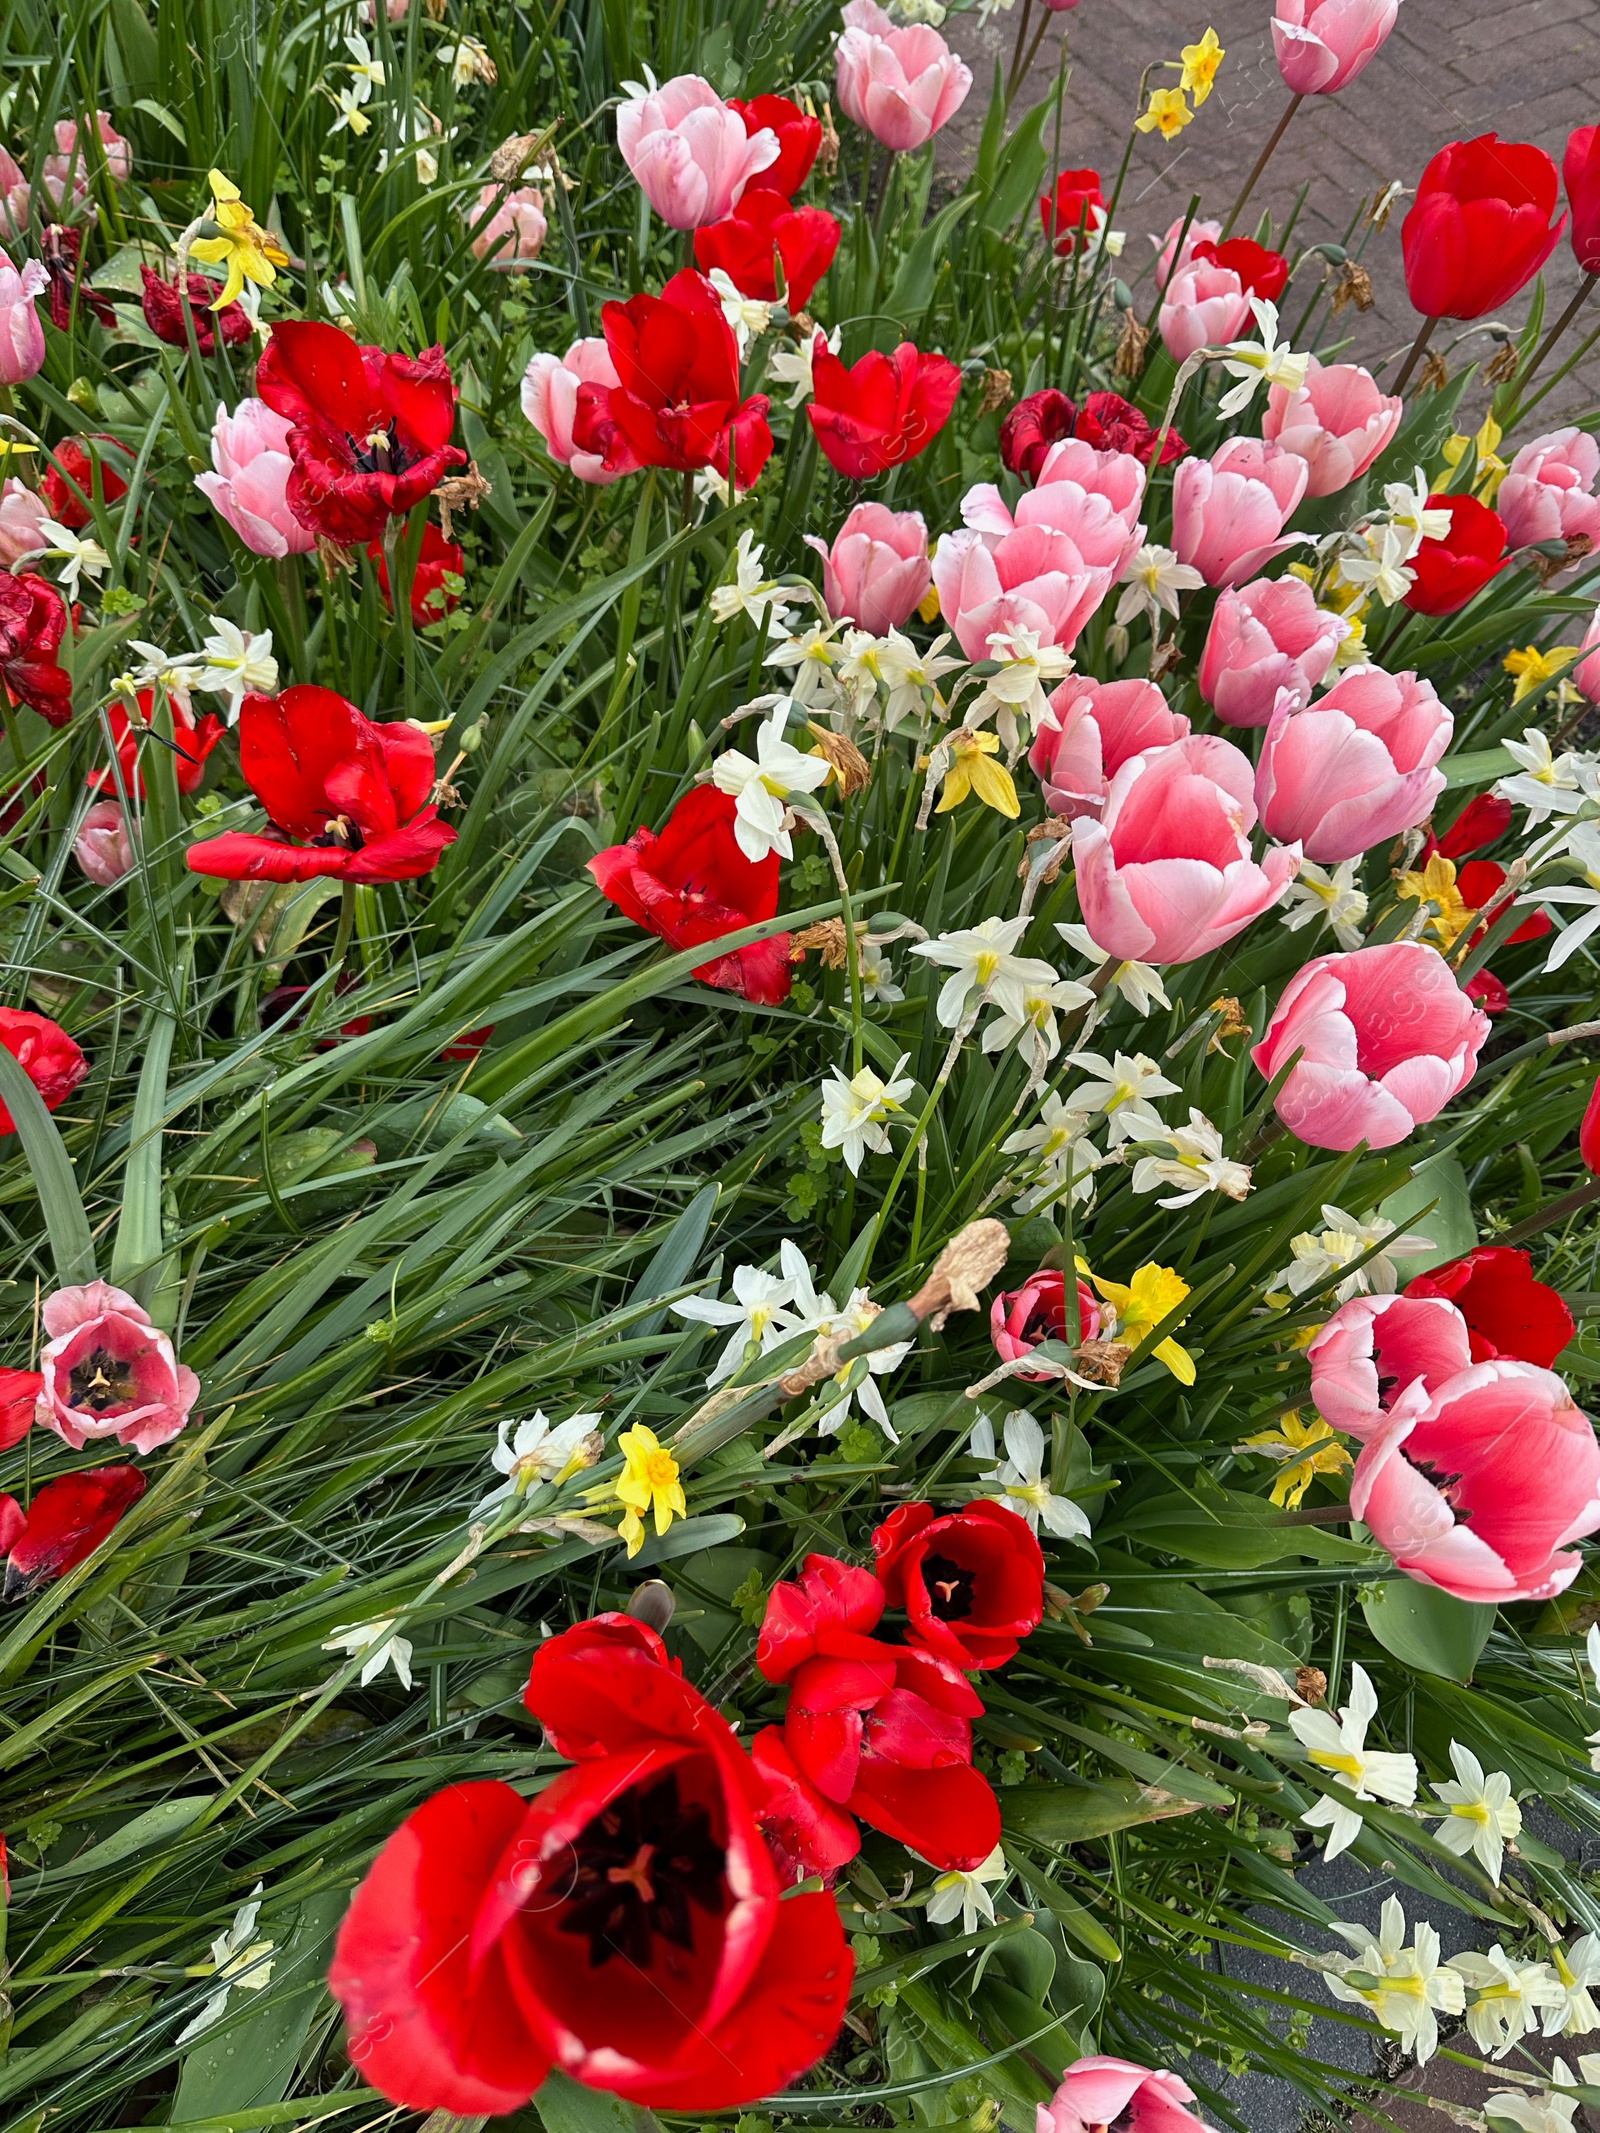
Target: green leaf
160 1824
71 1245
1427 1629
1067 1814
913 285
243 2064
1449 1226
673 1264
568 2107
685 1535
162 117
136 1254
1479 768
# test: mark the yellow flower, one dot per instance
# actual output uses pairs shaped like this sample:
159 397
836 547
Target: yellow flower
649 1483
1492 469
1437 884
1168 110
1142 1305
251 253
928 605
1306 1449
1200 64
971 771
1534 667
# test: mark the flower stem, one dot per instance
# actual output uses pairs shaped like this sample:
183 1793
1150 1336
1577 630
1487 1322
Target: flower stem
1018 68
1261 163
1552 1212
1585 291
1424 336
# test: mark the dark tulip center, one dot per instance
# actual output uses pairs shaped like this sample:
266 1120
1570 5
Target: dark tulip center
380 451
102 1381
1386 1388
341 835
950 1588
1448 1485
637 1869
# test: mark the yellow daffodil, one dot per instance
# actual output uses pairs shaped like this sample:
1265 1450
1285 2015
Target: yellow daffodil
649 1482
1200 64
1141 1305
1536 665
250 252
971 770
1168 111
1492 469
1436 884
928 605
1306 1450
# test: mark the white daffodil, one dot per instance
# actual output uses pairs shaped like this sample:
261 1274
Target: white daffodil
984 969
1409 509
76 552
792 366
856 1113
1122 1087
1583 849
1577 1970
756 1312
762 788
350 103
1338 1745
238 1962
1406 1988
1034 1031
910 675
1317 897
1482 1815
1505 2000
966 1896
1019 1477
812 657
381 1644
366 73
1271 362
1018 694
750 594
1592 1652
1061 1154
819 1314
877 974
159 670
235 663
1544 784
1375 561
1152 582
1196 1165
468 62
534 1450
1319 1253
747 315
1550 2112
1138 983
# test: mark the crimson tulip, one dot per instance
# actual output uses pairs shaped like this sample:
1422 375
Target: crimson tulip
169 311
51 1059
65 1523
69 483
1580 167
371 434
1265 273
1507 1311
33 622
1477 883
1112 424
191 743
19 1394
882 411
799 140
692 885
626 1925
1589 1132
356 795
1482 821
1451 572
1031 428
61 255
431 598
761 225
677 399
971 1583
1480 227
1076 204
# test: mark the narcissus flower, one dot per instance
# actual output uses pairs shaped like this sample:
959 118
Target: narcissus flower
46 1054
108 1371
1405 1988
1140 1306
1481 1816
971 1582
65 1523
1303 1451
33 624
649 1482
881 411
1507 1311
1339 1747
1167 113
973 769
249 252
1200 66
1480 227
857 1112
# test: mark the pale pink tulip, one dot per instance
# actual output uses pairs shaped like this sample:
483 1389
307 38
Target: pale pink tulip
1480 1490
1356 767
1549 493
110 1372
1099 2093
249 484
15 198
103 846
1204 306
690 154
1585 675
877 572
1171 254
513 228
1229 512
1386 1038
1323 45
1048 566
550 387
1098 726
1266 638
1337 422
22 512
902 85
69 166
1167 874
21 329
1373 1347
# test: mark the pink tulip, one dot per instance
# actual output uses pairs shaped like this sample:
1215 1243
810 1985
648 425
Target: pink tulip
1479 1490
103 846
1386 1038
1050 565
513 233
900 85
1229 512
1355 768
1204 306
877 573
1337 422
1266 638
69 166
550 388
1585 675
21 330
22 512
689 153
1175 256
16 195
1323 44
1167 874
250 458
1548 494
109 1372
1098 726
1373 1347
1096 2094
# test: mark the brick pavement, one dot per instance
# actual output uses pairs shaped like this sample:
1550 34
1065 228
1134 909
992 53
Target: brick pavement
1451 69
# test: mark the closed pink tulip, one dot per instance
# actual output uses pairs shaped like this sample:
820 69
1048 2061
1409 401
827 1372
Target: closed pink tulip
1266 638
1386 1038
21 329
1373 1347
16 196
1167 874
1337 422
690 154
877 572
513 229
1585 676
22 511
1174 254
103 846
1549 493
1204 306
1356 767
901 85
249 484
110 1372
1099 725
550 388
1048 566
1480 1489
1229 511
68 168
1322 45
1096 2094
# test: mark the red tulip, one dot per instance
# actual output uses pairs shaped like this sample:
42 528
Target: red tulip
1580 167
19 1393
45 1053
357 795
1477 883
1112 424
61 254
1032 427
33 622
1489 992
805 1833
371 435
70 481
1480 227
191 743
164 310
626 1925
1482 821
431 599
1265 273
763 223
1589 1132
1077 204
799 139
971 1583
677 397
1507 1311
1451 571
881 411
692 885
67 1521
